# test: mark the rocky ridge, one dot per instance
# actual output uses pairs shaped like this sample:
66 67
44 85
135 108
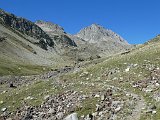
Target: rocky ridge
50 27
26 27
59 36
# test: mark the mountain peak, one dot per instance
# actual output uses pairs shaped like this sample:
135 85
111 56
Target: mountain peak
97 33
50 27
95 26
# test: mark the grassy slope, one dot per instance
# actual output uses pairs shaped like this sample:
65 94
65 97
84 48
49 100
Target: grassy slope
148 55
17 55
12 67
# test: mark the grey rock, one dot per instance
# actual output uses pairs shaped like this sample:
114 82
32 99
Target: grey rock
72 116
3 109
57 33
115 103
154 112
52 111
117 109
97 96
46 97
9 119
60 115
89 117
2 38
153 107
103 97
50 27
149 111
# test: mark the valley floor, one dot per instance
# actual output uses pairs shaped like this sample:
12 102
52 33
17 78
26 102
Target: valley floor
122 87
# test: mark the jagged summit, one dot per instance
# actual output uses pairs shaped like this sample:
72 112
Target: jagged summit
50 27
96 26
95 33
104 39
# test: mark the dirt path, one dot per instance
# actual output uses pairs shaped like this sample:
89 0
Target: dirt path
136 113
140 105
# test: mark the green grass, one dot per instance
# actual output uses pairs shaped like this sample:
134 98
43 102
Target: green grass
15 98
89 106
9 68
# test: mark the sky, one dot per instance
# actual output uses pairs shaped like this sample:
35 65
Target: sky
137 21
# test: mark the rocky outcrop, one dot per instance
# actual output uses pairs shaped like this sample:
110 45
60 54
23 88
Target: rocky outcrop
26 27
50 27
64 40
57 33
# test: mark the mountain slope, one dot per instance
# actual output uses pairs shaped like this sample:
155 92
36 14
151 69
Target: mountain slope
106 40
154 40
43 43
96 33
24 44
68 45
57 33
50 27
119 87
26 27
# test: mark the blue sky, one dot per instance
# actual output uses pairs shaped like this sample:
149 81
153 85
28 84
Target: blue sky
135 20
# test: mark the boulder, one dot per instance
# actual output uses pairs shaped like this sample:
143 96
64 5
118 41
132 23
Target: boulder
89 117
103 97
3 109
60 115
52 111
72 116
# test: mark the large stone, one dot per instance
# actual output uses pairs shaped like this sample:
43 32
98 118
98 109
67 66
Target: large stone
60 115
154 112
9 119
97 96
117 109
153 107
72 116
89 117
52 111
103 97
46 97
1 102
3 109
127 69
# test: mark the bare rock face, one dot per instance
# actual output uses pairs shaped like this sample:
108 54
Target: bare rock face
50 27
57 33
96 33
26 27
105 39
